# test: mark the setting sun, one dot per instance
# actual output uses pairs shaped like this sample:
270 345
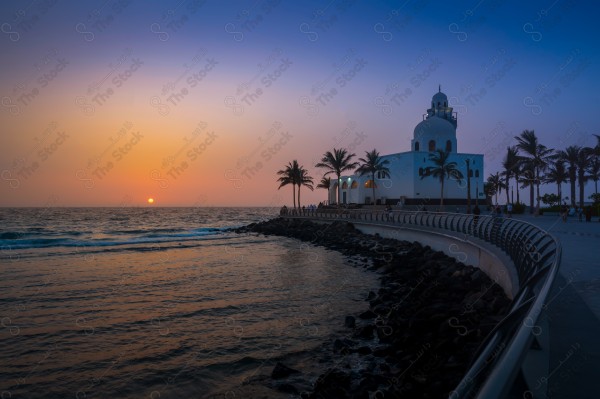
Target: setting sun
151 200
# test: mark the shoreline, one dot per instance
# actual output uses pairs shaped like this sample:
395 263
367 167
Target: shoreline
424 323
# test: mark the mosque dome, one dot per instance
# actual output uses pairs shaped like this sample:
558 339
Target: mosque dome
437 131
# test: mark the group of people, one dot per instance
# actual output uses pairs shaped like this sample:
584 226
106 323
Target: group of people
572 211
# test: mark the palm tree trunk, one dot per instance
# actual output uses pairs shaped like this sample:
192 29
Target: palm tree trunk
559 193
294 194
537 185
517 187
581 190
572 179
373 186
299 207
339 190
442 194
507 184
531 188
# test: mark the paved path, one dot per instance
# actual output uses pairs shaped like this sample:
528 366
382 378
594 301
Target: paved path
574 309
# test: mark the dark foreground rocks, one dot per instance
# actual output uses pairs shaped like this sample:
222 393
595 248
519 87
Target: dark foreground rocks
424 323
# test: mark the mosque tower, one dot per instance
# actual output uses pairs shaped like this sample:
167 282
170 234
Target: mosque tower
437 131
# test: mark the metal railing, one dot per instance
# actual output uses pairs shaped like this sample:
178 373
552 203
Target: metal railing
536 256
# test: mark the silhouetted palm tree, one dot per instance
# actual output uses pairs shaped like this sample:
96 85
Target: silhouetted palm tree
337 162
289 176
325 183
528 180
371 164
495 180
594 171
511 168
570 155
557 173
442 170
535 154
584 157
303 179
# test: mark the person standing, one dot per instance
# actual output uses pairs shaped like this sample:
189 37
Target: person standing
509 209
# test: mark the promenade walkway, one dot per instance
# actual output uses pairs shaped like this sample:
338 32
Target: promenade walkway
574 309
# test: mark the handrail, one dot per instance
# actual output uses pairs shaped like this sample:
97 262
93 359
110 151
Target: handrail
536 256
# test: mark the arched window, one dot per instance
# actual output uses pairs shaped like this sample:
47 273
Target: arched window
370 183
476 172
354 184
420 171
431 145
416 146
438 104
448 145
344 185
445 104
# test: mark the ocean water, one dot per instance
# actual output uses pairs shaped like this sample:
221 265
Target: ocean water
160 302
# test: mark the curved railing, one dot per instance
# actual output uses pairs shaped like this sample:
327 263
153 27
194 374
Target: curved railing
536 256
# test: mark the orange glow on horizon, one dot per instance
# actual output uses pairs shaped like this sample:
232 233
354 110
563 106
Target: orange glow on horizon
151 201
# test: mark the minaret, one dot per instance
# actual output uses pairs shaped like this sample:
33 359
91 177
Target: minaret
440 108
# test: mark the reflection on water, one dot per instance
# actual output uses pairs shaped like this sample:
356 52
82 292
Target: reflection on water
174 319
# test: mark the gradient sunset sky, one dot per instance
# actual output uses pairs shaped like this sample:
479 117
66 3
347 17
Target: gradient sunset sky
199 103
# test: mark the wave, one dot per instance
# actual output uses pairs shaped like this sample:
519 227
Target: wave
19 240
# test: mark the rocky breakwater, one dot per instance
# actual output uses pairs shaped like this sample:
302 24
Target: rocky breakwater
423 326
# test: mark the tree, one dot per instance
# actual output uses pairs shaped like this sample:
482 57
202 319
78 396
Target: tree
536 158
536 155
584 157
511 168
570 156
442 170
594 171
495 180
550 199
528 180
337 162
557 173
371 164
303 179
288 175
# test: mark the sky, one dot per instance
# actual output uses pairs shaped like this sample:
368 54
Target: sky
200 103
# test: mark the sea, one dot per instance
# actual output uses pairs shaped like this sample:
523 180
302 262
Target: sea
156 302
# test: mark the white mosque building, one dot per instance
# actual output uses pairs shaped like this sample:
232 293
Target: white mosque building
405 186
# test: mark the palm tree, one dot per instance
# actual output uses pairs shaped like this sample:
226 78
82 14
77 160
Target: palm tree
373 163
289 176
570 156
537 155
511 166
495 180
594 171
337 162
489 192
528 180
557 173
303 179
583 163
442 170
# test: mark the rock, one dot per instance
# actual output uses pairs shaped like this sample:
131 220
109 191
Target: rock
343 345
287 388
282 371
366 332
333 383
371 295
364 350
368 314
350 322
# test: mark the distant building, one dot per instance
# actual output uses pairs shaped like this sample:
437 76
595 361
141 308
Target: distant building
437 130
